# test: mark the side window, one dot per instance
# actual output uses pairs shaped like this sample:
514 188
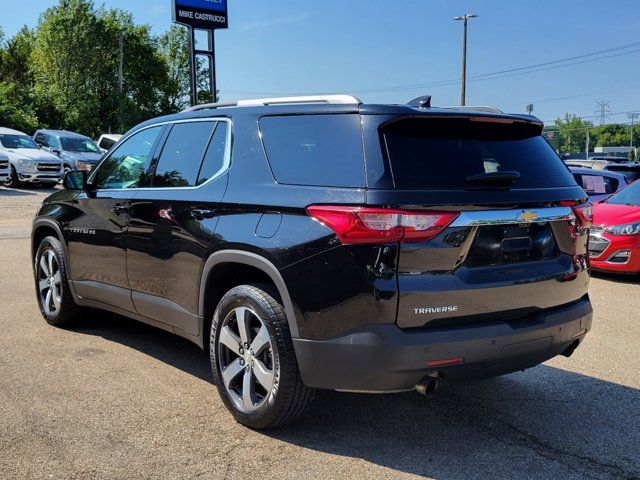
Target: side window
599 184
126 165
39 139
320 150
182 154
578 178
105 143
51 141
214 158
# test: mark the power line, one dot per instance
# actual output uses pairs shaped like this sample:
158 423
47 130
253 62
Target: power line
524 70
568 97
577 129
609 114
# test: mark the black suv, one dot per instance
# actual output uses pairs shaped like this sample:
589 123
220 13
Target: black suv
317 242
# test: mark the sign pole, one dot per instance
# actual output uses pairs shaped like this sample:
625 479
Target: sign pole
193 65
207 16
212 65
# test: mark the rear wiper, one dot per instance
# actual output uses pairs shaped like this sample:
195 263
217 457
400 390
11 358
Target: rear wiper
494 178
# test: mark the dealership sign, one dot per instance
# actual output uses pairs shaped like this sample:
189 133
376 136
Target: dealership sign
203 14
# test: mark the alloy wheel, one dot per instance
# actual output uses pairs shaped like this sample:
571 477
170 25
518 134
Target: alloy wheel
245 355
50 282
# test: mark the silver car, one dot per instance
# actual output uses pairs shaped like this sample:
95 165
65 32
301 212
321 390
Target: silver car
27 163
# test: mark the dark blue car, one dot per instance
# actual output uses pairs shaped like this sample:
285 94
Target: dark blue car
76 151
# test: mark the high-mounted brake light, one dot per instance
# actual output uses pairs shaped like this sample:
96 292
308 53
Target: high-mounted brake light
354 225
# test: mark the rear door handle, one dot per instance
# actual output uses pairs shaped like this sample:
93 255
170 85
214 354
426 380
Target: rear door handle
120 208
200 213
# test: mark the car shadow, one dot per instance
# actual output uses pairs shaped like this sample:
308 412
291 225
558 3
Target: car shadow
628 278
542 423
12 192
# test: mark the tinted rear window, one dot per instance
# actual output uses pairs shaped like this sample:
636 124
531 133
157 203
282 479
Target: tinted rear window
596 184
321 150
441 153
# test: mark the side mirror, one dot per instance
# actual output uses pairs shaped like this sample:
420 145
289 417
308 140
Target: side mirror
75 180
55 151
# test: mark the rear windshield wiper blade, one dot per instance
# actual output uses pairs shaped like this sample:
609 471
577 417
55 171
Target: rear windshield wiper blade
494 178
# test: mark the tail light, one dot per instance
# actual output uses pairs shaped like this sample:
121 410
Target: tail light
584 213
356 225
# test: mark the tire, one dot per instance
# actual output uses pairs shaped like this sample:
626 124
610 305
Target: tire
59 309
13 181
264 407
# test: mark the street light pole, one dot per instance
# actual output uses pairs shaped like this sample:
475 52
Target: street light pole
464 18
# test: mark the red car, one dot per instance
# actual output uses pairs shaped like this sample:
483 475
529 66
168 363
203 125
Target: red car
614 241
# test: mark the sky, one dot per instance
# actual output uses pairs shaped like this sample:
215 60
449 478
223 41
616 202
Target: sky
371 47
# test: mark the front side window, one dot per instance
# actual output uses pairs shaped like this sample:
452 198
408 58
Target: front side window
126 165
182 154
51 142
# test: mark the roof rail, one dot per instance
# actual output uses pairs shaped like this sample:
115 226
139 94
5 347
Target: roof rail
479 108
207 106
263 102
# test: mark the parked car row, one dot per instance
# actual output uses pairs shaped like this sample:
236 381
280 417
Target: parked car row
45 158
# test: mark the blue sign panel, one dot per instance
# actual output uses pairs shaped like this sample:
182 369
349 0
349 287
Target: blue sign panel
211 5
203 14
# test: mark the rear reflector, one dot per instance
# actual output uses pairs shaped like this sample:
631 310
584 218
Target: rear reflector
448 361
358 225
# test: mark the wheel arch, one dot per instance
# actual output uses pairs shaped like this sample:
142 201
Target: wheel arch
42 228
255 261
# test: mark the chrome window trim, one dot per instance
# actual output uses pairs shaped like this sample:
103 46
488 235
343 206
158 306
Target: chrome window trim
226 162
510 217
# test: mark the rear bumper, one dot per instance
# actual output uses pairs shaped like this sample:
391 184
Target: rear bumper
384 358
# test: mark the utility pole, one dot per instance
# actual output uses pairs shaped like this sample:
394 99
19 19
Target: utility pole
632 116
120 82
465 18
530 108
586 149
602 111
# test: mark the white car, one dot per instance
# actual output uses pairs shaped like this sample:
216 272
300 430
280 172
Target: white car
4 168
107 141
27 163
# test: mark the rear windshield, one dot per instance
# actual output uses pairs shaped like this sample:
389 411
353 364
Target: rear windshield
319 150
596 184
441 153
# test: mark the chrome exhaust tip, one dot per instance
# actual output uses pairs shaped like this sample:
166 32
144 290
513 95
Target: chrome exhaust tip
428 385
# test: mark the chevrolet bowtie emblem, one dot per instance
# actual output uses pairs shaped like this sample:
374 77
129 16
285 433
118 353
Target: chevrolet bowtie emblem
527 216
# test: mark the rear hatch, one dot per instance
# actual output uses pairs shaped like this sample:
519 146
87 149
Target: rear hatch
517 240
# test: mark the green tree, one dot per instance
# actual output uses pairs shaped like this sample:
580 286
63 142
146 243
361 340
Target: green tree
64 73
572 133
612 135
174 45
13 113
76 61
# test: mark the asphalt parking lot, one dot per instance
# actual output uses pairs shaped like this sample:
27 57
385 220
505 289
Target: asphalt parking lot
112 398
